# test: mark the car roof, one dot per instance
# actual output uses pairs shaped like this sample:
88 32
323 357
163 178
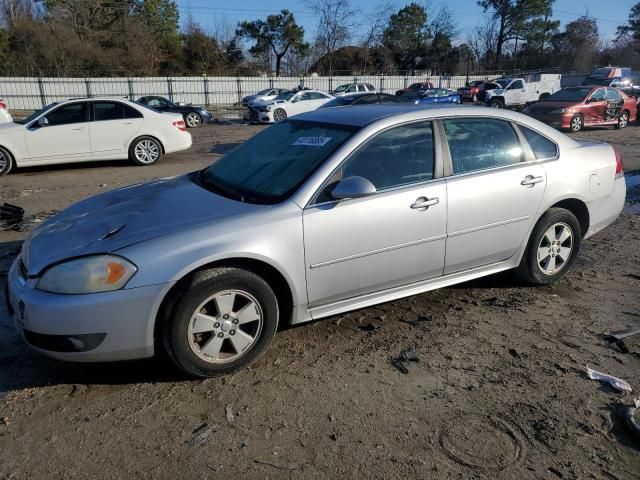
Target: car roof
93 99
361 115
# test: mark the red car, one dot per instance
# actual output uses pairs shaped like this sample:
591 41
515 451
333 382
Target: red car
574 108
416 88
471 91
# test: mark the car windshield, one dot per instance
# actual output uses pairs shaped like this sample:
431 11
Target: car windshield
339 102
140 104
504 82
430 93
36 114
264 92
285 96
569 95
273 164
597 81
342 88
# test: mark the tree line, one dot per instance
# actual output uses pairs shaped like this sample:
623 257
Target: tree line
145 37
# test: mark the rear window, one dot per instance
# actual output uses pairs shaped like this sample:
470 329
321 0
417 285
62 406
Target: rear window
569 95
542 147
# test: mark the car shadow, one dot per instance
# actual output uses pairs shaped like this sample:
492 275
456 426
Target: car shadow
26 171
223 148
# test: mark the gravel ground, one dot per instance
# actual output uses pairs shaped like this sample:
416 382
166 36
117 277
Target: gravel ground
500 390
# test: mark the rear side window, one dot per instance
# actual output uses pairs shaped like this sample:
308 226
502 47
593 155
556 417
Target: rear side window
130 112
479 144
542 147
398 156
107 111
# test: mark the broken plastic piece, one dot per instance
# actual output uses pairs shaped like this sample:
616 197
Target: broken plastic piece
397 362
410 355
615 382
629 414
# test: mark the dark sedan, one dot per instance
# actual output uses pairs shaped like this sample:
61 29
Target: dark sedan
193 115
415 89
362 99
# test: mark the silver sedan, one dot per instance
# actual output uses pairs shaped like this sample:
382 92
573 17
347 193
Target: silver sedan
329 211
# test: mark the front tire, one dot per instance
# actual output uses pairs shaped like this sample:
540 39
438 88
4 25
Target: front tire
576 124
193 119
553 247
145 151
623 120
224 322
6 162
279 115
496 103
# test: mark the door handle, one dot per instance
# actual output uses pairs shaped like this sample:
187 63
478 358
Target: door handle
424 203
77 129
127 123
530 180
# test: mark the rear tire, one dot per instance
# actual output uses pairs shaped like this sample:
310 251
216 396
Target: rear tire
623 120
193 119
224 322
145 151
6 162
552 248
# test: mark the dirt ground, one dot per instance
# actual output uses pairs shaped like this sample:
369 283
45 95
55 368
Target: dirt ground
500 390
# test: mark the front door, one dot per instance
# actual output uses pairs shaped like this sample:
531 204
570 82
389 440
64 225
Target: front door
493 195
393 237
65 136
597 109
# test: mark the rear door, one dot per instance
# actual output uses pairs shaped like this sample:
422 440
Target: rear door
113 126
66 136
493 193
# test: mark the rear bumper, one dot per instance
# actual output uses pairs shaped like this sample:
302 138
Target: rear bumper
604 211
109 326
182 141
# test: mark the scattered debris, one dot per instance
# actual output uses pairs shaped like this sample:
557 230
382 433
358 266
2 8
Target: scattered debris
4 420
615 382
369 327
408 355
619 338
416 321
10 216
288 466
200 435
629 414
228 412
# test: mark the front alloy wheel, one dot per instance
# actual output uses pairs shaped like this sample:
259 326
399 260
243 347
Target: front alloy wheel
193 120
279 115
623 120
577 123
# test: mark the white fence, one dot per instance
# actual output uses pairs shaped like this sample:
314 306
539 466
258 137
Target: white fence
32 93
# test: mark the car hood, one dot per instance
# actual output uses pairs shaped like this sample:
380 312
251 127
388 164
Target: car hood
113 220
546 107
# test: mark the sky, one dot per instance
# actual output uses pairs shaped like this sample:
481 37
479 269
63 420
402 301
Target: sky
214 13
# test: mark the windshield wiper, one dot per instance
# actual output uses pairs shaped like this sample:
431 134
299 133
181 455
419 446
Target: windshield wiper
219 187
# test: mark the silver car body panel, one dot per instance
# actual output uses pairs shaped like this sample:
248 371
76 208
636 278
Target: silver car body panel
335 256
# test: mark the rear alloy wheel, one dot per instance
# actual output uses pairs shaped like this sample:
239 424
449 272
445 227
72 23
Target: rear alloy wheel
496 104
224 322
6 162
279 115
193 119
552 248
623 120
145 151
577 122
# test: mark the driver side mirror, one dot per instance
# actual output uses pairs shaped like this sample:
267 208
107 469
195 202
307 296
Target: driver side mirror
353 187
43 122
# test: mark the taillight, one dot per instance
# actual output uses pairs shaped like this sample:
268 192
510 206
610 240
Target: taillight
619 164
3 106
179 124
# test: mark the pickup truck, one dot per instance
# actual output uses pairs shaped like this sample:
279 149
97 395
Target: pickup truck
519 92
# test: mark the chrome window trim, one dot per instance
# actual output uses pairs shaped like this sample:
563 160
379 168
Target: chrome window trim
437 164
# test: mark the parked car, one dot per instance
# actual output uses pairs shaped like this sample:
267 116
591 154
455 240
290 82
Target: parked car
438 95
264 95
285 105
5 116
487 87
352 88
601 74
626 84
415 89
362 99
81 130
472 91
574 108
519 92
333 210
193 115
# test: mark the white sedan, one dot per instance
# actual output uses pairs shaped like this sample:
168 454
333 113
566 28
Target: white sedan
286 105
80 130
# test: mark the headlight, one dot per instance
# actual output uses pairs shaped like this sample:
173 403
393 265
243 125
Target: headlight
268 108
98 273
560 110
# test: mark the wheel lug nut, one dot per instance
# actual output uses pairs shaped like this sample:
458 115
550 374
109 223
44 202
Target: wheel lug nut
225 316
232 332
216 325
235 321
221 334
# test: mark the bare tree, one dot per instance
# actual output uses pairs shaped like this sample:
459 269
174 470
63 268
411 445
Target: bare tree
13 10
483 40
336 21
373 28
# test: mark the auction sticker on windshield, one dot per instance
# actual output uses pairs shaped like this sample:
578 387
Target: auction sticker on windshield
312 141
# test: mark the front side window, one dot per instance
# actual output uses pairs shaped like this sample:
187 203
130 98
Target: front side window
612 94
517 85
157 103
272 164
399 156
71 113
542 147
479 144
599 95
